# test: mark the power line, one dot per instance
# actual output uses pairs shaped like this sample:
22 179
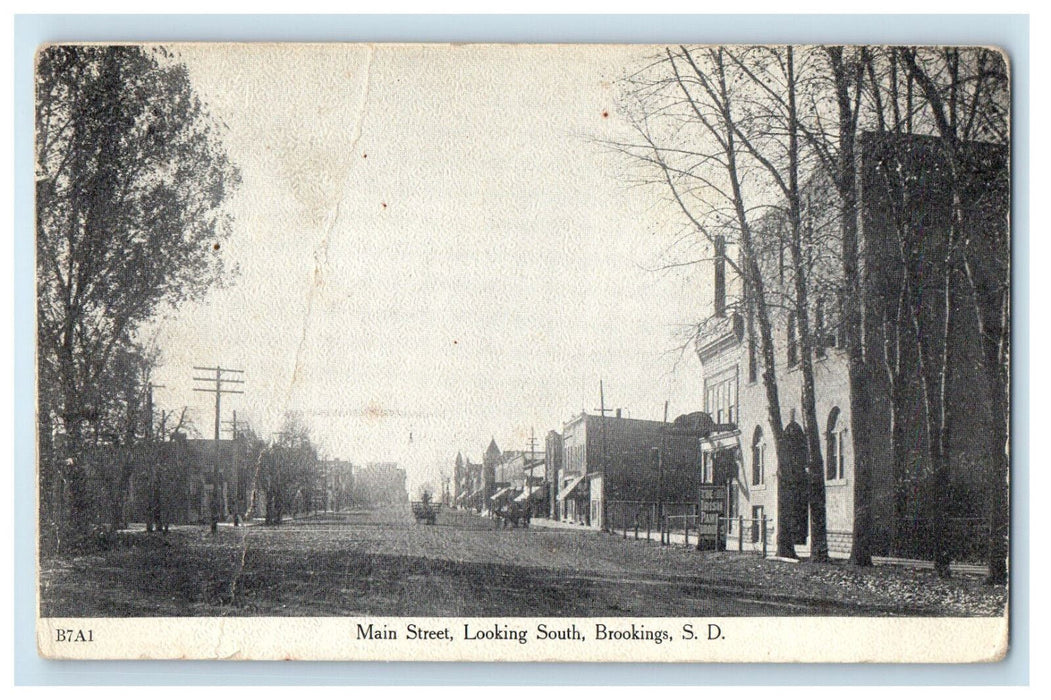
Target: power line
220 388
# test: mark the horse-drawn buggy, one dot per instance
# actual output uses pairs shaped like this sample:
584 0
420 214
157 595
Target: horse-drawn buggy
513 514
425 511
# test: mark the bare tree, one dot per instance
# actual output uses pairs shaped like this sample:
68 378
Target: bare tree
961 97
772 136
708 165
836 79
288 470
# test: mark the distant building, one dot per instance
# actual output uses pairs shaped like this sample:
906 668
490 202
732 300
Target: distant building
489 462
468 484
610 462
380 483
519 477
178 478
337 479
465 481
552 467
459 486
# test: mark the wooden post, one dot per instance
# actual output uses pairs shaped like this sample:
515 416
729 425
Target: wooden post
636 526
686 530
762 535
647 527
740 533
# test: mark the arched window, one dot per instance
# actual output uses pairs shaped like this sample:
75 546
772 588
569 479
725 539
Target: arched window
835 467
758 457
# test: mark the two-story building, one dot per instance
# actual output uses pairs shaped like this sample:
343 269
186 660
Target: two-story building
740 451
626 464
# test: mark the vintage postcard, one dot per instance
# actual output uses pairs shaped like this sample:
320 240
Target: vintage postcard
523 352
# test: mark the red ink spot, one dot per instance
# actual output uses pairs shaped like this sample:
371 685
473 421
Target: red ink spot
364 155
605 115
384 204
215 247
454 342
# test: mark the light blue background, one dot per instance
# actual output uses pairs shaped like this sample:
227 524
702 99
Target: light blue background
1010 32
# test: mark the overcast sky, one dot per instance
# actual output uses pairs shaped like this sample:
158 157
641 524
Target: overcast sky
432 242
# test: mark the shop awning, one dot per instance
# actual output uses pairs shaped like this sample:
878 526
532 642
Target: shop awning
536 493
568 490
501 493
721 441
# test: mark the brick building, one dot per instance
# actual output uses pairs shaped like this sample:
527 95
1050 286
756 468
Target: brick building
610 461
739 450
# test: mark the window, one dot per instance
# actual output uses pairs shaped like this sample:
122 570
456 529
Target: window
757 522
720 396
758 457
835 468
793 341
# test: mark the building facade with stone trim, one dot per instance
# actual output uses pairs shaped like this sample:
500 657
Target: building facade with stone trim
740 451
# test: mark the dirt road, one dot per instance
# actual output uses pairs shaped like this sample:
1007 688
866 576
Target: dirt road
383 563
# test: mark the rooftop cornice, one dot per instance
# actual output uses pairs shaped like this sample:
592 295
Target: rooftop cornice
717 334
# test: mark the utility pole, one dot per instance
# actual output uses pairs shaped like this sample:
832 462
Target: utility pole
602 400
532 460
605 451
217 510
239 485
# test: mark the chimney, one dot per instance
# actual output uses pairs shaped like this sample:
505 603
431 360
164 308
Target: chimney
720 276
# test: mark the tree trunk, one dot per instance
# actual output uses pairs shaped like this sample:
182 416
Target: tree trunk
900 451
999 504
845 177
815 486
74 478
861 552
994 335
756 291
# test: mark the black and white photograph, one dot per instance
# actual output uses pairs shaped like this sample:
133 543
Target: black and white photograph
523 352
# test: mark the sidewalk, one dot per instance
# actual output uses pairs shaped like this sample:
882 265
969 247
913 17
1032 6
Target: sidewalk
676 538
957 568
559 525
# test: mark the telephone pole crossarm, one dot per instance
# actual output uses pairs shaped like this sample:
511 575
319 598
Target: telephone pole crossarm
219 387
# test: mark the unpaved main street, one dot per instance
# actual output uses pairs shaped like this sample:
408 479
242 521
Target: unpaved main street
383 563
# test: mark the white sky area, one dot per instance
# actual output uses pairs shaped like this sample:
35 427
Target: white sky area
432 241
